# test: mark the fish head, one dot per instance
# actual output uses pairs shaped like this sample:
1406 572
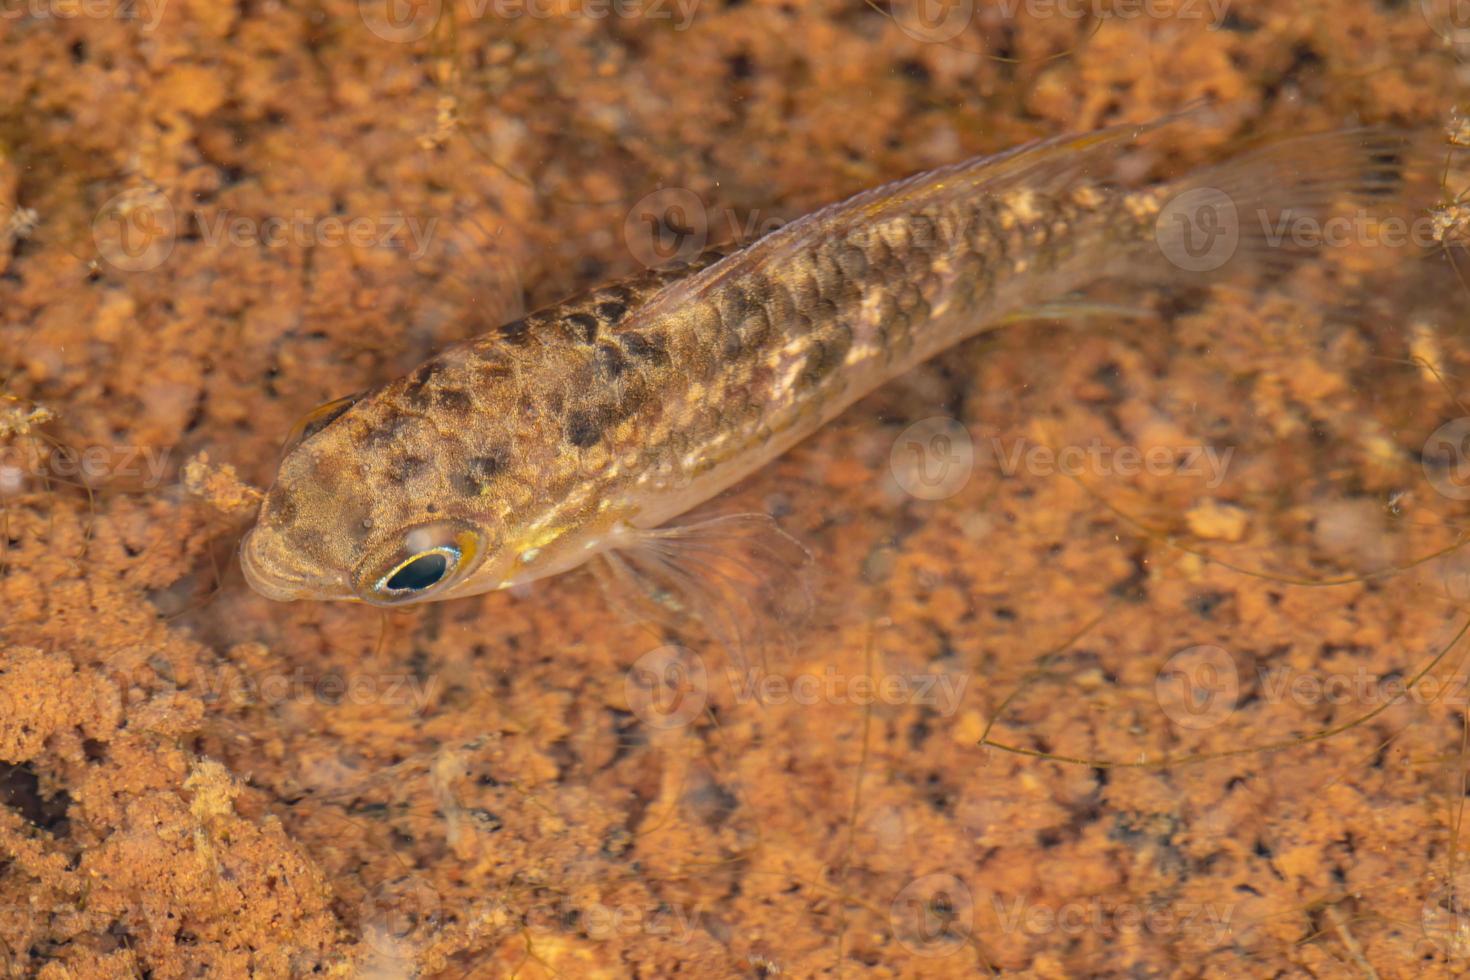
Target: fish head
420 491
360 510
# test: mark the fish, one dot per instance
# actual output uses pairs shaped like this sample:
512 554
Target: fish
585 431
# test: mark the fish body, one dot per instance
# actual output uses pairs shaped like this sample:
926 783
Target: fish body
580 429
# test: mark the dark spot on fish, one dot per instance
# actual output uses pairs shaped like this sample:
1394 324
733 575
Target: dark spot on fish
745 325
799 325
612 294
923 235
282 509
756 328
454 400
387 433
735 306
586 324
583 429
852 262
516 331
730 344
413 391
805 291
629 399
646 348
480 470
491 359
826 356
529 408
403 468
610 362
612 312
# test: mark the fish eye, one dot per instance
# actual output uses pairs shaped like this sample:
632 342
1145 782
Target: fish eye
423 571
421 563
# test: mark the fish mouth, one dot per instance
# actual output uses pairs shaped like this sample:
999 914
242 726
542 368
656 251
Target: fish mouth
268 570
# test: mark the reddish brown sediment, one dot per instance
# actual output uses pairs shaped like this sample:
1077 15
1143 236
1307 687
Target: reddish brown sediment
243 785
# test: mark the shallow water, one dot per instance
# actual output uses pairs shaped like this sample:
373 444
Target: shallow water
1136 643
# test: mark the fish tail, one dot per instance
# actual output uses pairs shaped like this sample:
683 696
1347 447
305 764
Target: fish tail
1270 208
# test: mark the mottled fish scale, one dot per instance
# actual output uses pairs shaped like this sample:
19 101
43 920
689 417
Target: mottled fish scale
764 357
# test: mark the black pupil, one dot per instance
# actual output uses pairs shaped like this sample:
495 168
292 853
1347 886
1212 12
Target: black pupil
420 573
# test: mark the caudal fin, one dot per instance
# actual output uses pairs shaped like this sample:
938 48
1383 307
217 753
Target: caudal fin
1267 210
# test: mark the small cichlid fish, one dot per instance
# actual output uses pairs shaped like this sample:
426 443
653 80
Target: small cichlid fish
582 430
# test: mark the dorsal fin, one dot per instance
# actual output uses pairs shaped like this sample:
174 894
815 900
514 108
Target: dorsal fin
1044 165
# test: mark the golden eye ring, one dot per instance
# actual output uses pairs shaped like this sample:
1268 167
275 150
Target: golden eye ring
427 560
420 572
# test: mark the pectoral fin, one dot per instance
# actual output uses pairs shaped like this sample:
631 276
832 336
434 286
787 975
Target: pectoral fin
739 577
